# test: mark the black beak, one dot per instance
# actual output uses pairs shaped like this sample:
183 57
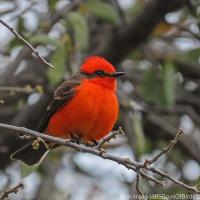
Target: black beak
117 74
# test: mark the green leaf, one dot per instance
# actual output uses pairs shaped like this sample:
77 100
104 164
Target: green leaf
135 8
198 184
20 25
13 43
58 60
141 144
159 85
80 27
26 169
190 55
52 4
43 39
169 84
152 88
103 10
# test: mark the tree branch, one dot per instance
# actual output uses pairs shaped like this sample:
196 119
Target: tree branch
179 183
126 162
107 139
26 89
137 185
64 10
14 190
125 39
18 36
166 149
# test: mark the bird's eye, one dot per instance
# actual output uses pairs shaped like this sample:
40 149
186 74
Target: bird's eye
100 72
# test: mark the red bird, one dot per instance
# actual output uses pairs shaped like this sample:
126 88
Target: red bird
84 108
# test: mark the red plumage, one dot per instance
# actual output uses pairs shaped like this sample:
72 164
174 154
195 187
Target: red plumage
86 107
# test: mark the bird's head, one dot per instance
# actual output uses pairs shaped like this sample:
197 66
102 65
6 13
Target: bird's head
100 71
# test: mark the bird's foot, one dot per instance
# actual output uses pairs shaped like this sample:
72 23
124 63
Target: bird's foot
91 143
75 139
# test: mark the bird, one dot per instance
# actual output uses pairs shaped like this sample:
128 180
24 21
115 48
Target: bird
83 109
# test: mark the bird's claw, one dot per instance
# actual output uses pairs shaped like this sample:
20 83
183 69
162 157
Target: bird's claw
78 140
92 143
75 139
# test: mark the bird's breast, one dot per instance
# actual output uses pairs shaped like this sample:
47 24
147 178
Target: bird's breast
91 113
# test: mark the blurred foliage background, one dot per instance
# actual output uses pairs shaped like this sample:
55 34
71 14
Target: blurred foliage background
157 42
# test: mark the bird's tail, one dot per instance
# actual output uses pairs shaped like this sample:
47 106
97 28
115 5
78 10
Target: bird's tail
32 153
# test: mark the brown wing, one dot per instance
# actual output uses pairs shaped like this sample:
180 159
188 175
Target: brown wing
62 95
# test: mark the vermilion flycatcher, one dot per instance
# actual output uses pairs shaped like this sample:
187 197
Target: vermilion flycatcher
85 107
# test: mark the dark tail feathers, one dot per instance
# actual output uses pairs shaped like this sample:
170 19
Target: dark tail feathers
31 155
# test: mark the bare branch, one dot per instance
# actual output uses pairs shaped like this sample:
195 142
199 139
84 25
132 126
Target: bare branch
82 148
9 10
14 190
28 8
27 44
68 7
27 89
166 149
126 162
182 28
137 185
111 136
165 175
151 178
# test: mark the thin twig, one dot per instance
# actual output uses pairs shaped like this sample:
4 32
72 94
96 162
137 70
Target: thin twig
28 8
9 10
120 11
137 184
64 10
151 178
25 137
4 12
14 190
166 149
126 162
195 35
26 89
165 175
27 44
111 136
